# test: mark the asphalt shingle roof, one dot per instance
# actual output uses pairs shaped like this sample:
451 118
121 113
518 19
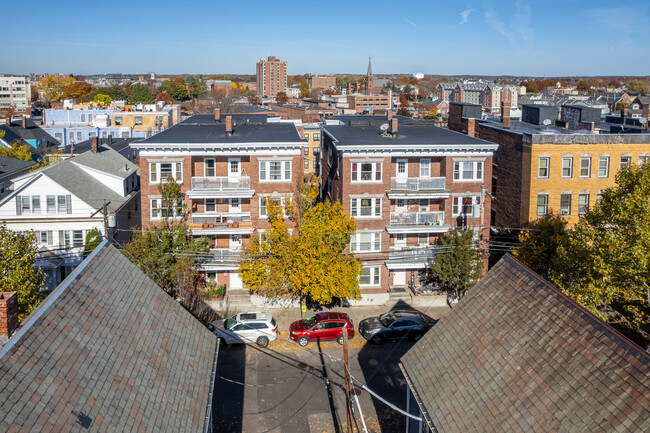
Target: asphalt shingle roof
8 165
32 132
111 345
516 354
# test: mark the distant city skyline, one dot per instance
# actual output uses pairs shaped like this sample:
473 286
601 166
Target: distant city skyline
552 38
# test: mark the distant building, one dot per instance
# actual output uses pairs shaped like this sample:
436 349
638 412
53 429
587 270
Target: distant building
370 103
26 132
16 92
321 81
271 76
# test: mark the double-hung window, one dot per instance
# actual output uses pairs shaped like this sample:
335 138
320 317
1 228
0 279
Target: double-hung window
210 205
281 201
567 167
165 208
583 204
51 204
61 204
542 204
425 167
369 276
209 169
585 167
36 204
543 168
366 171
643 159
25 204
626 161
468 170
603 166
362 242
275 171
465 205
565 204
365 207
160 171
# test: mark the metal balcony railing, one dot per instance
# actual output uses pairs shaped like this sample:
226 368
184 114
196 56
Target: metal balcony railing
221 218
417 183
224 255
417 218
221 183
408 254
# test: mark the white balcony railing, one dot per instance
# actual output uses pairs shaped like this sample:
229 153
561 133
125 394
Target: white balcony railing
417 184
224 255
417 218
221 183
410 254
221 218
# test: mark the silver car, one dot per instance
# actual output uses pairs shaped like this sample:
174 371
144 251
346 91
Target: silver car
260 328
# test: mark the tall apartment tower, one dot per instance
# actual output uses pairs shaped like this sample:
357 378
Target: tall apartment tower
271 76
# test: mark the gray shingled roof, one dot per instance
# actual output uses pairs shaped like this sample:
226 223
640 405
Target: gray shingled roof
112 346
9 166
516 354
106 160
32 132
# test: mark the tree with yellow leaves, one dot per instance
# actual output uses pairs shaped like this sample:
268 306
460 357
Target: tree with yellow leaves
16 150
55 86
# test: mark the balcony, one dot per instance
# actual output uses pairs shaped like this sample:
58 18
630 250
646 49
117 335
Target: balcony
417 222
221 186
410 257
220 259
221 223
418 187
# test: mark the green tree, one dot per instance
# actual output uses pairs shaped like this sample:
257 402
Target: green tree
140 94
540 241
531 87
457 265
637 86
116 93
93 238
18 253
195 88
304 89
103 100
176 89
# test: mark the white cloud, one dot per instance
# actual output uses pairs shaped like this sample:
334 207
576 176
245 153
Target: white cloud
465 15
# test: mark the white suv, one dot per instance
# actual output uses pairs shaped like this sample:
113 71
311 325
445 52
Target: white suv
258 328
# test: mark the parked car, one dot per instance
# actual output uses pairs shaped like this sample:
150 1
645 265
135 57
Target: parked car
321 326
395 325
259 328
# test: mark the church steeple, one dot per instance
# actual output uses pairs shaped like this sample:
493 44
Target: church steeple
369 67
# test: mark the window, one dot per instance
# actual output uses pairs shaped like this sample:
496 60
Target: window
306 151
51 204
316 151
565 204
583 204
165 209
423 238
316 135
209 168
61 204
210 205
275 171
366 207
369 276
118 120
465 205
603 166
567 167
36 204
365 242
282 201
366 172
77 238
138 120
599 197
625 162
233 164
424 205
425 167
306 164
25 203
543 168
159 171
83 117
542 204
402 167
585 167
468 170
42 237
643 159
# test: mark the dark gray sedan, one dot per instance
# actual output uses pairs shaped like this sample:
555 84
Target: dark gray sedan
395 325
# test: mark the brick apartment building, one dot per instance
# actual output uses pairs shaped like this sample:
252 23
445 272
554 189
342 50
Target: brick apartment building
405 183
227 167
553 160
321 81
370 103
271 76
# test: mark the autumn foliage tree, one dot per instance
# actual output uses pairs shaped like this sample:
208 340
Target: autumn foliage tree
80 91
18 253
55 86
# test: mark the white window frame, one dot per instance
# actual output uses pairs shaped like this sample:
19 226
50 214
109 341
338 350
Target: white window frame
565 209
570 167
457 204
585 174
583 208
156 210
425 167
357 242
374 275
234 162
155 172
543 204
421 236
475 170
265 170
206 162
356 172
541 167
374 207
626 162
601 160
282 199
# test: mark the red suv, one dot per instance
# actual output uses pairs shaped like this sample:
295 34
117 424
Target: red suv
321 326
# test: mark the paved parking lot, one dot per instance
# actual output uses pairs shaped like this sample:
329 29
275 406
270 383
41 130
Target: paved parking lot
286 388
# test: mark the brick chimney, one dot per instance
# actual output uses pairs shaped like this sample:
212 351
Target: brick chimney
8 313
505 114
24 121
623 112
471 127
94 144
389 115
394 126
217 114
228 125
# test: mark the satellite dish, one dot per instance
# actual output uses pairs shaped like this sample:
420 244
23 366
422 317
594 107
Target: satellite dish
643 121
546 122
384 127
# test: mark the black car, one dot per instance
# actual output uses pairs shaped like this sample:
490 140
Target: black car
395 325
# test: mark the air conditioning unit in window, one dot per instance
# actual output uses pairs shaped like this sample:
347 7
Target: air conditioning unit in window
564 212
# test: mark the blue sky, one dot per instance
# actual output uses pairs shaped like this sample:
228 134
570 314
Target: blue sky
536 38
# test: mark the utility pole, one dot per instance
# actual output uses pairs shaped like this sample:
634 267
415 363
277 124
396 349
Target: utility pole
346 362
105 212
